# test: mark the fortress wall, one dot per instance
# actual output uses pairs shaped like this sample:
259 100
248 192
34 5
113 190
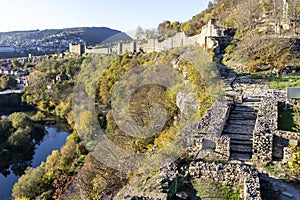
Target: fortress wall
178 40
97 51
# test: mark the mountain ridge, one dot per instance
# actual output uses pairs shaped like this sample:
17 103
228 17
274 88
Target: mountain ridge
91 35
49 41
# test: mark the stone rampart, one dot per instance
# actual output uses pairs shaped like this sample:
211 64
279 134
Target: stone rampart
266 123
205 38
266 128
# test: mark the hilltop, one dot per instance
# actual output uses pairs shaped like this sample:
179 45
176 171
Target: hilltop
265 32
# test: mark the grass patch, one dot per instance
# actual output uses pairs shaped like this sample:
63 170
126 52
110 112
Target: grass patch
278 170
280 83
285 119
217 191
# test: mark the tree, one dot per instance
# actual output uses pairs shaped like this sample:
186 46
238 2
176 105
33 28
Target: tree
248 12
187 28
168 29
96 181
19 119
87 126
7 82
151 34
294 162
139 33
176 26
20 137
30 185
17 65
295 14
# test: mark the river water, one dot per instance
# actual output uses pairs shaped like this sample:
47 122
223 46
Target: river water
53 140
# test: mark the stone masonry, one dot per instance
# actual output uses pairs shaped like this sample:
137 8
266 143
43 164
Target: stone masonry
265 124
228 173
210 33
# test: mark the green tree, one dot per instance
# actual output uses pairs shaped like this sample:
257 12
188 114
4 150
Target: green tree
294 162
139 33
187 28
17 65
7 82
19 119
31 184
21 137
151 34
88 125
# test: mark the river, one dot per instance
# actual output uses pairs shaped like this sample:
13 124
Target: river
53 140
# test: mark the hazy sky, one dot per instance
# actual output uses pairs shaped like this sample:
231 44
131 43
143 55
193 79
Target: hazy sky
124 15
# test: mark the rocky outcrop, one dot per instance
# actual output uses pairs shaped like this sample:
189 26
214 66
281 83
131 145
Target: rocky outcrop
187 103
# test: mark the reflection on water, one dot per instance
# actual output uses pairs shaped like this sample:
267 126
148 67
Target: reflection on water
53 140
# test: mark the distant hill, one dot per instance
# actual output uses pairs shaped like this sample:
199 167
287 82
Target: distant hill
40 42
89 35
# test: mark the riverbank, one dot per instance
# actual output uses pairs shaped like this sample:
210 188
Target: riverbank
10 103
53 140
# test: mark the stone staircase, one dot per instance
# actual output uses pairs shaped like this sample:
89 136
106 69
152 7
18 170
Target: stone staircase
239 128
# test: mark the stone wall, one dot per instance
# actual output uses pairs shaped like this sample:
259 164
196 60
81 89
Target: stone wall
266 128
222 150
293 139
204 139
287 135
209 146
228 173
205 38
266 123
97 51
209 124
215 172
214 120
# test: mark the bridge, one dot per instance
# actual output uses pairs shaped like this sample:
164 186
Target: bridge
18 91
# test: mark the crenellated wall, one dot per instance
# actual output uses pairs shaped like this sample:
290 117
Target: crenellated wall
205 38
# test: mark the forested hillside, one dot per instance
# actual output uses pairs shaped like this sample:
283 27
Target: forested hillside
74 167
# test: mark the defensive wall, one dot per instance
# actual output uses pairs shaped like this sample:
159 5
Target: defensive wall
211 34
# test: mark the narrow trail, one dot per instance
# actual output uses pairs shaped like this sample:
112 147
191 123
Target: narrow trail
240 128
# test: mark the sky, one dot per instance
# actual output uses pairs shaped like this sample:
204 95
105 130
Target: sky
123 15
